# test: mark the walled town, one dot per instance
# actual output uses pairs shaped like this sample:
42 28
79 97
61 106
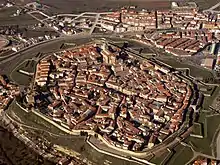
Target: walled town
133 104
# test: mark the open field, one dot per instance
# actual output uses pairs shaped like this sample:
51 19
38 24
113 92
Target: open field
179 155
217 9
22 20
203 145
205 4
38 15
7 18
207 90
209 100
182 155
7 12
39 32
22 79
75 6
162 158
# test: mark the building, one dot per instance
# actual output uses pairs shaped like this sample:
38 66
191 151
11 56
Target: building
208 63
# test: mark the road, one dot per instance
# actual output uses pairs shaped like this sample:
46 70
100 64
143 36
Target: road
62 38
84 15
16 58
4 59
95 23
218 146
45 23
23 54
212 9
40 12
215 6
